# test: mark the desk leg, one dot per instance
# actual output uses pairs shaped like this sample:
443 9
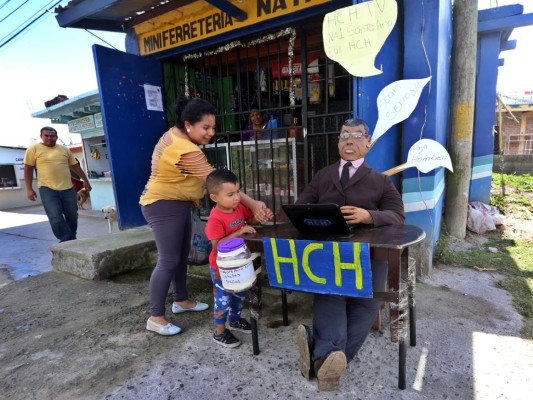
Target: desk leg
255 294
402 355
255 336
393 256
411 284
412 325
284 308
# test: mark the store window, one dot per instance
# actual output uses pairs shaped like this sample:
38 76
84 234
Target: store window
7 176
254 74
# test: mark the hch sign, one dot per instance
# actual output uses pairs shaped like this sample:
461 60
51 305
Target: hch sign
341 268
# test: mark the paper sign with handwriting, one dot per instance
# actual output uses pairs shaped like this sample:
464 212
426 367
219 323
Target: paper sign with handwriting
354 35
426 155
396 102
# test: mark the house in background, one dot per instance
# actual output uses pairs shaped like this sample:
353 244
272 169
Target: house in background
12 187
82 115
514 134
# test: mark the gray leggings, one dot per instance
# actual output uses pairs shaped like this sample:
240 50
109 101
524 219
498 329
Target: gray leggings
171 223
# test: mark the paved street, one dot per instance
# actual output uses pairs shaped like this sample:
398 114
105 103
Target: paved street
25 238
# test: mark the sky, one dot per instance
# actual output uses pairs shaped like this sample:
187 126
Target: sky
46 60
42 62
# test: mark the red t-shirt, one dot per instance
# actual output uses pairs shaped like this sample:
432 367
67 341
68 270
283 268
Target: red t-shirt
221 224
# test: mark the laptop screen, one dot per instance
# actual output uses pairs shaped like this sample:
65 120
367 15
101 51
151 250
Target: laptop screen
317 218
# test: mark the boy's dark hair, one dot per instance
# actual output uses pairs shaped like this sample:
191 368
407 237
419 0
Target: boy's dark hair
191 110
219 176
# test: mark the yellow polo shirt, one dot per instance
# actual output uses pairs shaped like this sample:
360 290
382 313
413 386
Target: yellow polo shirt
52 164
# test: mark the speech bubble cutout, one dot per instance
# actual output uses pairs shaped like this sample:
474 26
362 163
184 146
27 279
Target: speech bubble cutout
396 102
354 35
426 155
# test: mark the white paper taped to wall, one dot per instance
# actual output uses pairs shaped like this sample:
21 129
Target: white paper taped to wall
354 35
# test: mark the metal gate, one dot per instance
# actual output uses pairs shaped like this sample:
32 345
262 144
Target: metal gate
285 76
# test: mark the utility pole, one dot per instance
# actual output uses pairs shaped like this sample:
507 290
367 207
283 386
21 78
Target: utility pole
462 100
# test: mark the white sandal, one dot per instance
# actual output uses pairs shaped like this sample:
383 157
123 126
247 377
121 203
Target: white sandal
177 309
164 330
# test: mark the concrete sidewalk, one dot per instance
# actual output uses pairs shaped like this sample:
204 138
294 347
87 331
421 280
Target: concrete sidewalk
63 337
26 236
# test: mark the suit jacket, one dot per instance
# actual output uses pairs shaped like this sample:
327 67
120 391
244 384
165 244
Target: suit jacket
366 189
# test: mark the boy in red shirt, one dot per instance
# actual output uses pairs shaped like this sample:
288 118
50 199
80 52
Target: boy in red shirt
228 219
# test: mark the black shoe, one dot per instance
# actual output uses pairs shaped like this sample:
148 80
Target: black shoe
329 370
304 338
242 326
226 339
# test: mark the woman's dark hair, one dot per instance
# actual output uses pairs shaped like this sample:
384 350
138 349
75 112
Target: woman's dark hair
191 110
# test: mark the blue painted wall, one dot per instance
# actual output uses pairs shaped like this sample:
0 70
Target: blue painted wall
386 153
428 42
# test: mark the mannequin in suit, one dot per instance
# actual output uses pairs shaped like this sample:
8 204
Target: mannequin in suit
340 323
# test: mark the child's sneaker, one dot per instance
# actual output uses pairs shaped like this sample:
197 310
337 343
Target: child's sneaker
226 339
241 325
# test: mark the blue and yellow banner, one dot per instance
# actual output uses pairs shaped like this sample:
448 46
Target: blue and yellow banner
341 268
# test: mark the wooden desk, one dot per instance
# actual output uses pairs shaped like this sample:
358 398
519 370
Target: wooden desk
389 243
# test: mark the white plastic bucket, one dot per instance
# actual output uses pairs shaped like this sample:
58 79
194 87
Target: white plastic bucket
235 265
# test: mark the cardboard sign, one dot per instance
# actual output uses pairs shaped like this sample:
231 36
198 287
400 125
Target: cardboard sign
341 268
426 155
354 35
396 102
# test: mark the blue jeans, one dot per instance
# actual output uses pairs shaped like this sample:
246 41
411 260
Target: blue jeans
61 207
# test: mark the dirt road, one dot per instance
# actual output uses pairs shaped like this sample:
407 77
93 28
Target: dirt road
63 337
67 338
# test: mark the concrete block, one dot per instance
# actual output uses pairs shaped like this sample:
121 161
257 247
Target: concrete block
105 256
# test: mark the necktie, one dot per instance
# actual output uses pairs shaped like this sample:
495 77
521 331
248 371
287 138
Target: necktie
345 175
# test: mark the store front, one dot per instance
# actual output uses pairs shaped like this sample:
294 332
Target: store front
240 76
264 55
275 64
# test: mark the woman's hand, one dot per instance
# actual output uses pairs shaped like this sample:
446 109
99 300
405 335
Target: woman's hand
356 215
261 212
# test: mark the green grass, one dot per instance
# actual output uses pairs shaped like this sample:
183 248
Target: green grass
512 193
514 259
523 183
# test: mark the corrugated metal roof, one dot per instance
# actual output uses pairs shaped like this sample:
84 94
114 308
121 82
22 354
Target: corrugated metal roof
77 107
119 15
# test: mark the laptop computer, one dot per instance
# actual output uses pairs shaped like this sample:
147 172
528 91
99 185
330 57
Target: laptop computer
318 218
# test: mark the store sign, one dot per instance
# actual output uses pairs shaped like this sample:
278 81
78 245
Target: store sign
98 122
341 268
81 124
199 20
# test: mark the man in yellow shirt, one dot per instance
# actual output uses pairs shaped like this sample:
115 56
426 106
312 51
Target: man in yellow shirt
53 163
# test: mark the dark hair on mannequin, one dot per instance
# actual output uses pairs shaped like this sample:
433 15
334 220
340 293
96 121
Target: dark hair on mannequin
356 122
191 110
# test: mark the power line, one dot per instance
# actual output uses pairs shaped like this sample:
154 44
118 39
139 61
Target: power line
7 16
5 2
21 30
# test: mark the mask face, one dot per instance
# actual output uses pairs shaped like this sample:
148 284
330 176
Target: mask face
354 142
